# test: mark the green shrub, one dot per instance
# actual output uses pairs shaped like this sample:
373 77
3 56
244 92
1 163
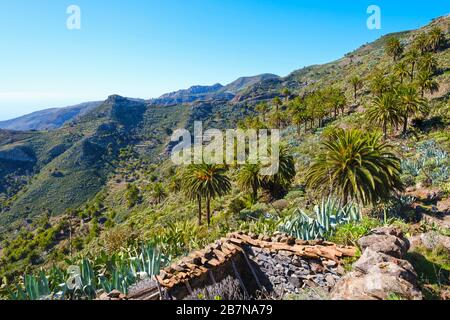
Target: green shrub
348 234
132 195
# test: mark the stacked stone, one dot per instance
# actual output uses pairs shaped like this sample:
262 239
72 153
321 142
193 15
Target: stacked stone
200 262
381 271
289 273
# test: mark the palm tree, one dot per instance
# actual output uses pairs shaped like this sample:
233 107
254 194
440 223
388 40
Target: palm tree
206 181
193 190
435 38
427 62
426 83
357 84
394 48
297 112
262 108
401 71
410 103
354 165
421 43
277 102
412 57
249 178
378 83
159 192
384 111
286 93
278 183
276 118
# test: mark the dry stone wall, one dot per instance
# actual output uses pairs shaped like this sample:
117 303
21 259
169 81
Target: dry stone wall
381 271
261 265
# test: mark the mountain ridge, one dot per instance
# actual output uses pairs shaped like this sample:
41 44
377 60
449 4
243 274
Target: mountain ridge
94 140
54 118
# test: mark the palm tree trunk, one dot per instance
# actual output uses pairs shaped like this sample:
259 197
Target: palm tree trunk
208 210
254 193
199 201
384 130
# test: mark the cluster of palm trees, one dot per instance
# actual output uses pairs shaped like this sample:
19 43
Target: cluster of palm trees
204 182
317 106
352 165
396 100
423 43
308 111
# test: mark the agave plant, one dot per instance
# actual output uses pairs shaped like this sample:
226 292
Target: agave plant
411 167
35 288
83 280
328 215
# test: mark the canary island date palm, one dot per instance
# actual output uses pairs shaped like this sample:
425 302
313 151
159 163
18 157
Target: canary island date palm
297 112
426 82
159 192
394 48
435 38
205 181
401 71
278 183
249 179
412 57
355 166
378 83
263 109
410 103
250 176
421 42
356 84
286 93
427 63
384 111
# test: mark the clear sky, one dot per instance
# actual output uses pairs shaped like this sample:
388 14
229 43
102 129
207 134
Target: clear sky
143 48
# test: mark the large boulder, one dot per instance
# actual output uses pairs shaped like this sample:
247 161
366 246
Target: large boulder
386 240
380 271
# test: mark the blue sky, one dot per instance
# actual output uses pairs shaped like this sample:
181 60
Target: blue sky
143 48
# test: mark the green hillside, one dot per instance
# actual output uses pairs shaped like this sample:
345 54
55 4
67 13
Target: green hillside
103 184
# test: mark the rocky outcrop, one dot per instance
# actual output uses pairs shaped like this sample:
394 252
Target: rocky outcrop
430 240
381 270
274 265
389 241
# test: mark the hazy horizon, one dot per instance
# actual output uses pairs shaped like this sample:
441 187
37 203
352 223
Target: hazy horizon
143 49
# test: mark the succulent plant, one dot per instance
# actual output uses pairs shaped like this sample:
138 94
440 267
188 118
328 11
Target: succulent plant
83 280
328 215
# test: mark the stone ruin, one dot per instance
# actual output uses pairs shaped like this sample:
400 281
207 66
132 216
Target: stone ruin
247 266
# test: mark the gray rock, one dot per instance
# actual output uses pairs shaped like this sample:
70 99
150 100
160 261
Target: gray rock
380 271
295 281
430 240
386 240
